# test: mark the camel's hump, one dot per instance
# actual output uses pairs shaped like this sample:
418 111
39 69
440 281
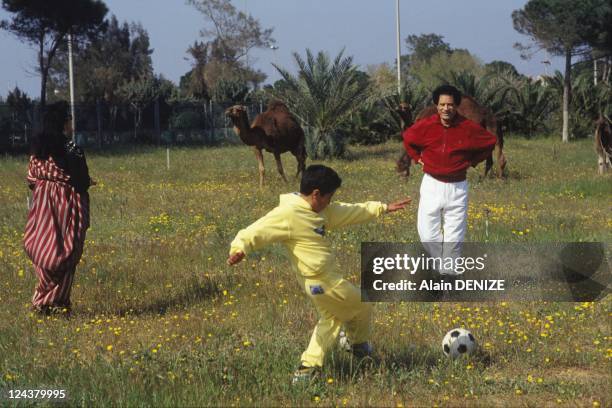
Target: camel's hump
277 106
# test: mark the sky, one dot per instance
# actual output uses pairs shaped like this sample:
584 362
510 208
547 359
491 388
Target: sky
365 28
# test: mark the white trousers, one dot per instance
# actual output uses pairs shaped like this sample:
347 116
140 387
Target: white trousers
442 218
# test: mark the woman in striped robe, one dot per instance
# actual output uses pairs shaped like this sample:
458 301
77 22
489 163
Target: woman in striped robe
58 219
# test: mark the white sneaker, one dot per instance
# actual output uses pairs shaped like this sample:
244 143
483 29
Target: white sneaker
343 342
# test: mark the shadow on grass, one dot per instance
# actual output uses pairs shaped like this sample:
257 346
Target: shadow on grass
194 293
399 363
346 367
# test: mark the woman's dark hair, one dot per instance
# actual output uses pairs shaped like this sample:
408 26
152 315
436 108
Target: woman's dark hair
51 141
320 177
447 90
47 144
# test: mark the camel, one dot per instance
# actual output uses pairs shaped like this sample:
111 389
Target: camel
404 111
275 131
603 144
470 109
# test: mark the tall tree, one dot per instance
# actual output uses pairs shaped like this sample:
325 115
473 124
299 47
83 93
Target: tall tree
116 56
193 83
237 32
440 66
45 24
424 46
21 109
139 92
501 67
563 28
230 35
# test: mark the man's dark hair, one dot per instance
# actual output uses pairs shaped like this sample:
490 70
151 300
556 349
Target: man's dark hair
320 177
447 90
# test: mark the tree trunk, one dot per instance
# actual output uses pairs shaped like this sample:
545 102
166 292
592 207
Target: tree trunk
567 84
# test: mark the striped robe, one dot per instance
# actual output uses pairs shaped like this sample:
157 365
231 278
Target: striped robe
55 231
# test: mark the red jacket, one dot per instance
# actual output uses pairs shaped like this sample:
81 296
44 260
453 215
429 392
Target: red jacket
447 153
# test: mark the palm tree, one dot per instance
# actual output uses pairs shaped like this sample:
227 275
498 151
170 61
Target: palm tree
530 104
413 94
323 96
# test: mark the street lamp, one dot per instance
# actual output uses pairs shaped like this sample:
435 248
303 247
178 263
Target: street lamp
546 65
274 48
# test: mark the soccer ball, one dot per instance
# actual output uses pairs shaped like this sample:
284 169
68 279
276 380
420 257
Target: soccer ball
457 342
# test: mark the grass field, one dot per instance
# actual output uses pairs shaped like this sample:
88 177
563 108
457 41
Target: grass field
159 319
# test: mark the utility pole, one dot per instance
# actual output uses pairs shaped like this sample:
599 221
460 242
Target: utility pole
399 65
70 73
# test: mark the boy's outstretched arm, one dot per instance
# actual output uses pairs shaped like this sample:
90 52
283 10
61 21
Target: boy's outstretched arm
235 258
342 214
273 227
398 205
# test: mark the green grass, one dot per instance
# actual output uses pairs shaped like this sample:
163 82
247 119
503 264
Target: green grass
159 319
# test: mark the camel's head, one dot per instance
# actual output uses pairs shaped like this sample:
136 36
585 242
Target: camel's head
402 165
235 111
404 110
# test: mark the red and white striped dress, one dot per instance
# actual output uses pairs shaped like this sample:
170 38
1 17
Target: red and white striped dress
55 231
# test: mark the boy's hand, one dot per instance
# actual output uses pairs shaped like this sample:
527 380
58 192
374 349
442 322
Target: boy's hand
235 258
398 205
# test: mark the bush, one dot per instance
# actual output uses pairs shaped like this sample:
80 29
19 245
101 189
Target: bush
322 146
186 120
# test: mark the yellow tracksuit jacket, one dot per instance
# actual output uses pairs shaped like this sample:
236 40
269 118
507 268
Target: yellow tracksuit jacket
302 231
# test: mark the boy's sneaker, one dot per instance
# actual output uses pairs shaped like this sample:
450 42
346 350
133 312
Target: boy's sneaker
362 350
304 375
343 342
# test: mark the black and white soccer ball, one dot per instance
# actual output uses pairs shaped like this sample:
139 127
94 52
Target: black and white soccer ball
458 342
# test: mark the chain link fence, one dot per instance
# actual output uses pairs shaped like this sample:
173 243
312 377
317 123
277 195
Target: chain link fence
102 125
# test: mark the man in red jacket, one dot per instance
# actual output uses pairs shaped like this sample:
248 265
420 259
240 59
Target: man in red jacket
445 144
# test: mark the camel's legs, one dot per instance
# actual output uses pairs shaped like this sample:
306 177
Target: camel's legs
488 164
262 169
279 166
403 164
300 156
602 164
501 163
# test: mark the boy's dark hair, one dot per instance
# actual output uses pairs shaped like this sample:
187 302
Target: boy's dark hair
323 178
447 90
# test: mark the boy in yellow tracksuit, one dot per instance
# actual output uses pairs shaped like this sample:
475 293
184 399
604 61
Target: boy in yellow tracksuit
300 222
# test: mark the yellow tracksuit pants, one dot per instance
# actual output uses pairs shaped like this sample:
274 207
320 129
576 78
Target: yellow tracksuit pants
338 303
